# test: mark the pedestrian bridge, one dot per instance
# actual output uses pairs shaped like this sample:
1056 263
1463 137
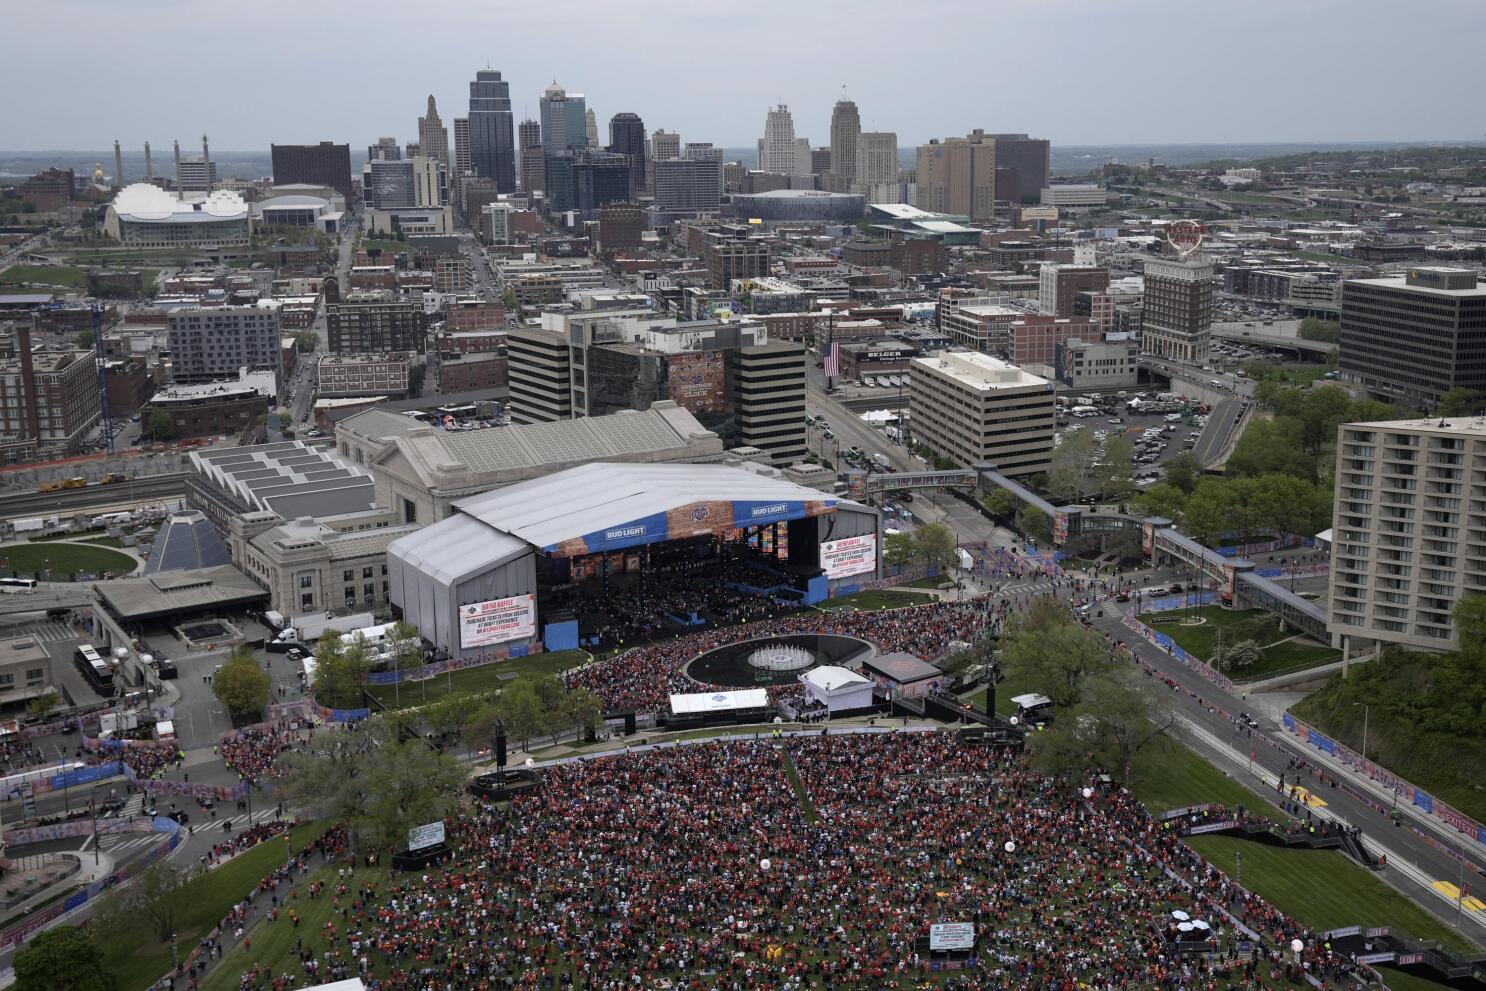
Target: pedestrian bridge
46 597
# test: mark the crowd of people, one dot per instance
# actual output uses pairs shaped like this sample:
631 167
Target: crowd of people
643 679
250 753
704 867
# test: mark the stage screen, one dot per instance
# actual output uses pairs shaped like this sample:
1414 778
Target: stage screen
498 620
849 555
952 936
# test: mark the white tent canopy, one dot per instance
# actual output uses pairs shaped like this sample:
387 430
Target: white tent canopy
838 689
747 698
879 416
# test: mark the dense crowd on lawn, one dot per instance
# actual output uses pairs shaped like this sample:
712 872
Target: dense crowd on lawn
644 678
698 868
250 754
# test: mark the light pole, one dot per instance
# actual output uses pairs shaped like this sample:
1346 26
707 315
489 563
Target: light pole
1366 709
1238 867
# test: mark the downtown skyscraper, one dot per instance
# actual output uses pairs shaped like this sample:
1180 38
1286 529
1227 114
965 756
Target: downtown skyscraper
492 130
846 126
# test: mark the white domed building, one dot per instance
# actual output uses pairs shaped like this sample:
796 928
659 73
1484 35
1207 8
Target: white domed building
145 216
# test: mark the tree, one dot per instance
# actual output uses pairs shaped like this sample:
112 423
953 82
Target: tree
1034 523
1315 329
899 550
416 375
160 425
241 685
1045 649
1460 401
936 546
999 503
62 959
1074 474
44 703
1183 472
1210 512
1162 499
1239 655
307 340
409 655
520 710
154 905
1126 544
85 340
581 709
1469 615
381 783
1114 473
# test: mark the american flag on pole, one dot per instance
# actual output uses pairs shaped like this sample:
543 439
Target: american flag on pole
833 359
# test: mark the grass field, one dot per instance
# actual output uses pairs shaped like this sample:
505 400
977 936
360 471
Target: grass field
101 539
61 276
63 559
1201 640
1004 692
137 960
484 678
884 599
1322 888
934 582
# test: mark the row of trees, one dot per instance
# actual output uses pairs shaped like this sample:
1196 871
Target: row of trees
1081 467
1245 509
1105 712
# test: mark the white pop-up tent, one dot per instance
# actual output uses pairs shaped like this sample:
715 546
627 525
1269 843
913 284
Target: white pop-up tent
838 689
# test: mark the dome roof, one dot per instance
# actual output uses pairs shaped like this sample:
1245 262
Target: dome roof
142 201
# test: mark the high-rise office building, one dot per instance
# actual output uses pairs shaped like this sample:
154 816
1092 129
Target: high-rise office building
627 137
433 140
621 227
957 176
557 180
49 400
1416 336
530 142
687 185
779 151
877 160
664 144
463 165
736 381
1177 308
324 164
972 407
1408 539
600 177
385 150
591 128
408 183
820 161
195 175
564 120
1023 167
492 130
846 127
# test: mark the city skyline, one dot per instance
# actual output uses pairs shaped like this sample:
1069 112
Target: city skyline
1132 55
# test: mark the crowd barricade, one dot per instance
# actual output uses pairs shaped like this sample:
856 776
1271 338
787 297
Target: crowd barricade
1207 671
1405 790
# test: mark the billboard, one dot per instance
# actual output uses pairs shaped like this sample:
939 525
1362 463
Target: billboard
431 834
952 936
697 380
497 620
849 555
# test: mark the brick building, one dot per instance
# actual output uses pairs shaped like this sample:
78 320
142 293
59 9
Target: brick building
1035 339
620 226
212 409
471 372
346 375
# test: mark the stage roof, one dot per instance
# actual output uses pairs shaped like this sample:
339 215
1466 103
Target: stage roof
747 698
602 507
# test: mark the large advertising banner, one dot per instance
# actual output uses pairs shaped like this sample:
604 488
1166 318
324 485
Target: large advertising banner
694 519
697 380
849 556
498 620
952 936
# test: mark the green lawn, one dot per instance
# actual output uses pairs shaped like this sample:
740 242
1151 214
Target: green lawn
101 539
485 678
1291 655
1004 692
273 943
934 582
139 961
1323 889
1169 775
61 276
884 599
62 560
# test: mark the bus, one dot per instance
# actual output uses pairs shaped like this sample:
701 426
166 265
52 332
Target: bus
94 668
17 584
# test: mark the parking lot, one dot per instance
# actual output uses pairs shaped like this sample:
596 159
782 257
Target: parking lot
1170 433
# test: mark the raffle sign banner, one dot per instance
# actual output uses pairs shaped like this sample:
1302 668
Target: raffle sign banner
497 621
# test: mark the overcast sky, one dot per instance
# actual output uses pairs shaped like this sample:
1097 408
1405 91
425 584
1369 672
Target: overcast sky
1075 71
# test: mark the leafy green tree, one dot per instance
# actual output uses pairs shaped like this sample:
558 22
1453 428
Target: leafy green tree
581 709
1162 499
520 710
85 340
1114 473
62 959
935 545
1315 329
1469 616
1052 656
409 655
1034 523
152 906
241 685
999 503
1237 656
1183 471
307 340
1074 474
160 425
416 375
1460 401
899 550
43 704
